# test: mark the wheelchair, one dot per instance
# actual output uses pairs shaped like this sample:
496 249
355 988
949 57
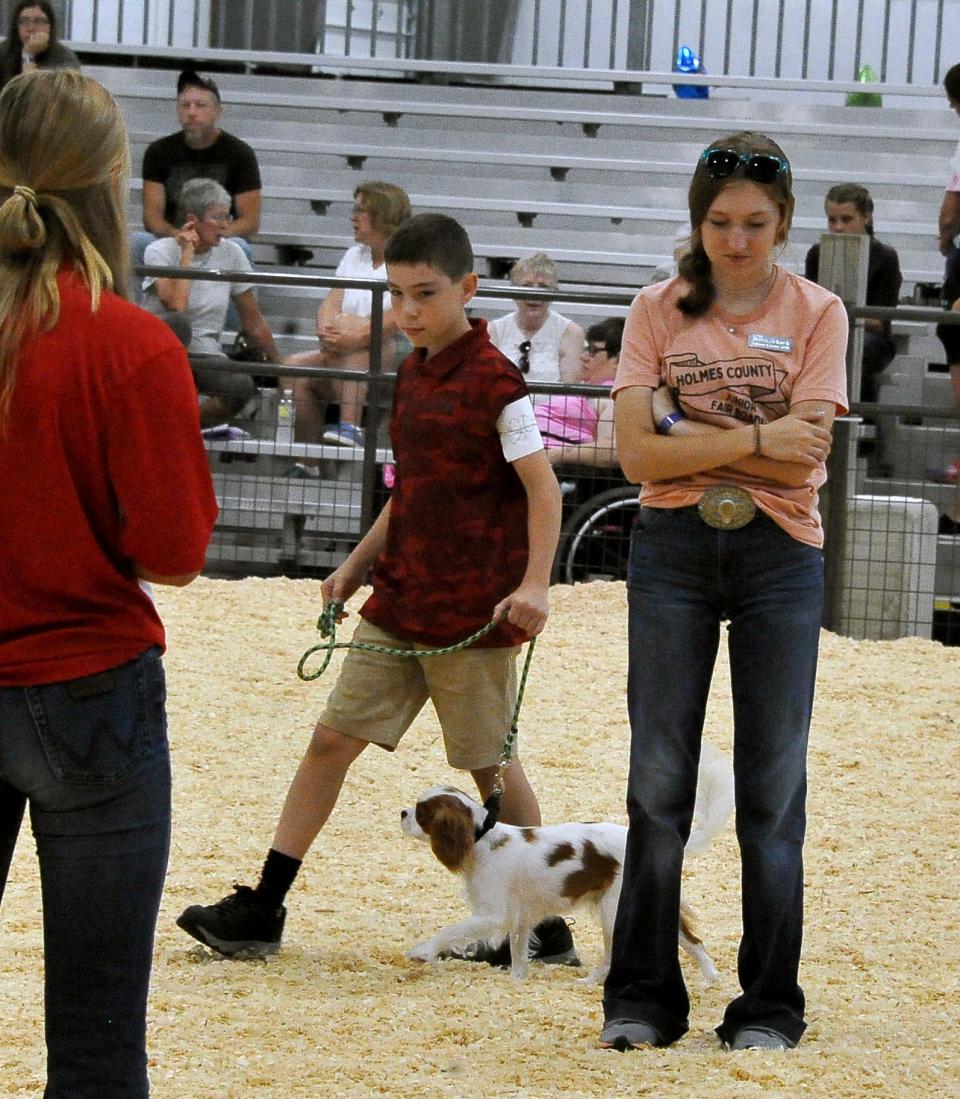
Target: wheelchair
600 509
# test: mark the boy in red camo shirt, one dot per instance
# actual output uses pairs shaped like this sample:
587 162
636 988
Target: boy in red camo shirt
468 536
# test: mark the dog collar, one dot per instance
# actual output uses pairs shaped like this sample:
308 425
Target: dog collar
492 806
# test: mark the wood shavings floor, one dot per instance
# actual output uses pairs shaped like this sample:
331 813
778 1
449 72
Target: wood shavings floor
341 1011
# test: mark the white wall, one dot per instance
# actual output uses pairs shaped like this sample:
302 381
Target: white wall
124 22
713 47
185 12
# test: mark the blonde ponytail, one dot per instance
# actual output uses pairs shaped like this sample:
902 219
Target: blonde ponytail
64 166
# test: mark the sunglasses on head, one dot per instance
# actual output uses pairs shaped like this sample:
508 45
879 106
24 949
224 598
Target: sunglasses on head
524 361
760 167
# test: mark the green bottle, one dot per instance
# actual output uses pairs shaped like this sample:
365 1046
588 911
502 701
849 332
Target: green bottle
865 75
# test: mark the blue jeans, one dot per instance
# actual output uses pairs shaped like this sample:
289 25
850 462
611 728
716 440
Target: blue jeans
91 758
684 578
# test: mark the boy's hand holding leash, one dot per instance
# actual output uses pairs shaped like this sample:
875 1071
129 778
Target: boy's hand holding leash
526 608
339 586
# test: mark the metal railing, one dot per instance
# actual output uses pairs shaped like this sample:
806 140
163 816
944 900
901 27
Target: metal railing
888 572
810 40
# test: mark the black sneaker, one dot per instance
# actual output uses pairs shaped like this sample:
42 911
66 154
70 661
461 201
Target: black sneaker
551 942
238 924
496 954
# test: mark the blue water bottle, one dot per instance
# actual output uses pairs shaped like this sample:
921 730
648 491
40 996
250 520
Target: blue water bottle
688 62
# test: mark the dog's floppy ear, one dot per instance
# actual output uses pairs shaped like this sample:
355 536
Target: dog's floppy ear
451 833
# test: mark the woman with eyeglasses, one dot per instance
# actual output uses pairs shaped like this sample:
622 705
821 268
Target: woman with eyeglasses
197 310
543 343
31 42
730 376
578 430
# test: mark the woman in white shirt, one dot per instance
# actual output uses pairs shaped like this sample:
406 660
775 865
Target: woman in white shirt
343 324
544 344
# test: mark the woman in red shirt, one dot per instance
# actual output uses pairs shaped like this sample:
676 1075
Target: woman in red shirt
105 488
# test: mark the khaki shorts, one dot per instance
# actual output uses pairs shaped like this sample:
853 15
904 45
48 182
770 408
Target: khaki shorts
377 696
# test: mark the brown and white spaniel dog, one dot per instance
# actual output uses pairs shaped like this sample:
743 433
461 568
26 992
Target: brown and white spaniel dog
516 877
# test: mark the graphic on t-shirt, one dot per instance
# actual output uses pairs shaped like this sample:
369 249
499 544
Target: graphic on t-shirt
746 388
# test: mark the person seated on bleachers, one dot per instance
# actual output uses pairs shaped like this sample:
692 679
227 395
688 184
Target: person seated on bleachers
544 344
199 150
343 327
949 335
31 42
849 209
579 430
197 310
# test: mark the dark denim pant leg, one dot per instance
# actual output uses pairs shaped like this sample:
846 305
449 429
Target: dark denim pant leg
674 621
775 587
93 762
12 804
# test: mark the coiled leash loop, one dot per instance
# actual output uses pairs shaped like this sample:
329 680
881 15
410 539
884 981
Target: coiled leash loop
327 625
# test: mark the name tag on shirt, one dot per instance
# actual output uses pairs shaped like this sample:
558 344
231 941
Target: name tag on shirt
770 343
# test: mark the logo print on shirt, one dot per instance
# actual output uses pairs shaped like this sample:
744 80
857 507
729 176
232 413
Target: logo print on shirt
736 388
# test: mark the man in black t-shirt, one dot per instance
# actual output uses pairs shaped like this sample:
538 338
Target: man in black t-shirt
200 150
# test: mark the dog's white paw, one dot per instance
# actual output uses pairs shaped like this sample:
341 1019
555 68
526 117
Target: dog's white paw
422 952
711 974
596 976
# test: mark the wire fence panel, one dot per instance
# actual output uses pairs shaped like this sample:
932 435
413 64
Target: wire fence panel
296 506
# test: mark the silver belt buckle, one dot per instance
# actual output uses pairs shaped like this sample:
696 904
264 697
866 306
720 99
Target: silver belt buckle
726 507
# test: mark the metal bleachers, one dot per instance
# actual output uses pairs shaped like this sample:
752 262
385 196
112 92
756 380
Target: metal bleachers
598 180
610 171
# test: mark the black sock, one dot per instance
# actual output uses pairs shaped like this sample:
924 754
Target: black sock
276 877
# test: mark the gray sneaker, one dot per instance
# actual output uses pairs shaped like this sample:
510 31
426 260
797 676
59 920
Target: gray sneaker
624 1034
759 1038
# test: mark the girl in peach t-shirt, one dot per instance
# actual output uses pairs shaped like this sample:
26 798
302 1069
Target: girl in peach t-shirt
730 376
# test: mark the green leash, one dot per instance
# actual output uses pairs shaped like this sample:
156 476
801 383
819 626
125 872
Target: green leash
327 625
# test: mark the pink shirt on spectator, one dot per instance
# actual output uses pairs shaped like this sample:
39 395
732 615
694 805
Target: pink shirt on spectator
568 420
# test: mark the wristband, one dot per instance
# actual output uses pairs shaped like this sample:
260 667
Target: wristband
663 427
757 447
